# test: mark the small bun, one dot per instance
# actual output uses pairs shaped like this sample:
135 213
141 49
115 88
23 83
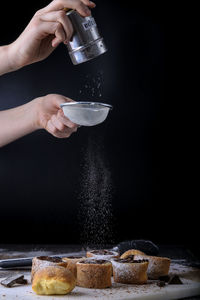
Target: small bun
94 273
131 252
128 270
40 262
158 266
53 280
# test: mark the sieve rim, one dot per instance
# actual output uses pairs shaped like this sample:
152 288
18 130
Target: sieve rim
86 103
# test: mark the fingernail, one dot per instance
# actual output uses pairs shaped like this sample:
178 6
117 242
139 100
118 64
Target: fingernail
93 3
87 11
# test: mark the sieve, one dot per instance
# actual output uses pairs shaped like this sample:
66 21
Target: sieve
86 113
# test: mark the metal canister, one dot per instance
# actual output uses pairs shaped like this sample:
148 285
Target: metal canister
86 42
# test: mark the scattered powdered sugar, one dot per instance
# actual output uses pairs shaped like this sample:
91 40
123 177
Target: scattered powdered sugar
95 213
105 256
43 262
186 272
92 86
129 272
158 266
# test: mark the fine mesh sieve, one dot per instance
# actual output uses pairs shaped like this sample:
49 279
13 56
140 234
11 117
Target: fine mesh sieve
86 113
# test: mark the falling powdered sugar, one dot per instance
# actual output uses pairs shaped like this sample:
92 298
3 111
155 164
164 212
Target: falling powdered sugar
92 86
95 214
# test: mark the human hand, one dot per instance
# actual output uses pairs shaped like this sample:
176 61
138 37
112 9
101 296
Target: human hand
47 29
50 116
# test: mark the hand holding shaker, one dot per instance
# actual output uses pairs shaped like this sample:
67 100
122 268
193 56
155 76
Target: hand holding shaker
86 42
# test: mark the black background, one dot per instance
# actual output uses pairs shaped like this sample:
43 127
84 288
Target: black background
40 175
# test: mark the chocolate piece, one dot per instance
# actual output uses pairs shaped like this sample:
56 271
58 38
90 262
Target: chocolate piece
12 280
175 280
130 259
161 283
94 261
54 259
165 278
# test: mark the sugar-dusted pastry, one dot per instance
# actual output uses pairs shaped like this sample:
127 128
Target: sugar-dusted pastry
45 261
71 263
94 273
129 270
132 252
102 254
158 266
53 280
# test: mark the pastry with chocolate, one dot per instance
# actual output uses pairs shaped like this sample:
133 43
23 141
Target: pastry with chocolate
130 270
158 266
94 273
102 254
71 263
46 261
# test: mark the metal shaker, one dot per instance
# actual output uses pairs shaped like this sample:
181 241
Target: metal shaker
86 42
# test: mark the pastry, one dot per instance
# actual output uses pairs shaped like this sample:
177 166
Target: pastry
158 266
94 273
71 263
53 280
130 270
132 252
102 254
45 261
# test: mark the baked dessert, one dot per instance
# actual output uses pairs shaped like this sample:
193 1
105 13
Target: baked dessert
130 270
71 263
158 266
94 273
102 254
53 280
46 261
132 252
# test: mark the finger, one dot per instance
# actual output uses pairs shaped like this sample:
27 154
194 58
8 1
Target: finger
57 123
60 36
60 126
61 117
46 28
51 128
59 16
82 9
67 99
55 132
59 99
89 3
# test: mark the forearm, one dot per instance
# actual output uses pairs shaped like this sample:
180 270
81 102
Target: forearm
17 122
7 63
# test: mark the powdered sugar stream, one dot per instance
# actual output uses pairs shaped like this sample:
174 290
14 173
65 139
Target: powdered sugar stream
96 214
